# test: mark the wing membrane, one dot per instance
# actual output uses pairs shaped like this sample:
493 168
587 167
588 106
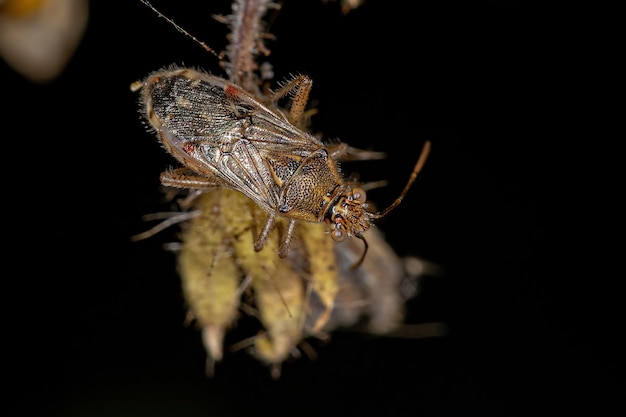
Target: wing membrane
218 130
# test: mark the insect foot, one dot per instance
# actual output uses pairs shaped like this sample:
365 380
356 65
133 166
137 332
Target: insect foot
225 137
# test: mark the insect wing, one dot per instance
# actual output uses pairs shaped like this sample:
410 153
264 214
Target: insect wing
216 129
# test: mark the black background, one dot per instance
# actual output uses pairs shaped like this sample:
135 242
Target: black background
507 205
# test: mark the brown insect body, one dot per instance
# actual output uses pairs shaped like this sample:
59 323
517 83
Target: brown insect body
242 156
226 137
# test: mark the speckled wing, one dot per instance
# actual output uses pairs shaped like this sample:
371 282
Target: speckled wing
216 129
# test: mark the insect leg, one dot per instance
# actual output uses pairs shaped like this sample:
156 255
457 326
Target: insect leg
186 178
302 86
344 152
283 250
267 228
284 245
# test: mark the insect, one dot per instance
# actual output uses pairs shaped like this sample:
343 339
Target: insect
242 155
226 137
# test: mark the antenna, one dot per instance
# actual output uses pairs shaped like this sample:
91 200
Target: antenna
418 167
181 30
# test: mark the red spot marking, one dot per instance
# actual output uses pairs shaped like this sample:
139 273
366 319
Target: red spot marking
155 79
189 148
231 90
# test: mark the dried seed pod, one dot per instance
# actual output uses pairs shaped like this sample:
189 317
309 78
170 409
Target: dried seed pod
323 275
311 293
278 287
210 277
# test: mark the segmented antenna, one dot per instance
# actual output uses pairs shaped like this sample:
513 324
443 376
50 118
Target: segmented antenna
181 30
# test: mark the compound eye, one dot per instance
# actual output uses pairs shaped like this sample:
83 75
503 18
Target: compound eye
338 235
358 194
